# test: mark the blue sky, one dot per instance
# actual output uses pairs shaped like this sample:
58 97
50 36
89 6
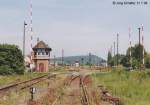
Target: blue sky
77 26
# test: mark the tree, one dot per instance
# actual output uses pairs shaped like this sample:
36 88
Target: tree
125 61
109 59
136 52
11 60
137 55
147 60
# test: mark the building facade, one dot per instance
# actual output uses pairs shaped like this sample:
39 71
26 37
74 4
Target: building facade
41 57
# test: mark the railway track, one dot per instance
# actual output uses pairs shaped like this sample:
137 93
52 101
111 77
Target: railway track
22 85
83 97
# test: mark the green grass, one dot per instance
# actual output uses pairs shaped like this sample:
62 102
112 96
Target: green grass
56 69
132 87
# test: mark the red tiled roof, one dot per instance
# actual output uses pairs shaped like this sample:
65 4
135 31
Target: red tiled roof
41 44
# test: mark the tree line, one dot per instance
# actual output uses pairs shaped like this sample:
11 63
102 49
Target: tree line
134 61
11 60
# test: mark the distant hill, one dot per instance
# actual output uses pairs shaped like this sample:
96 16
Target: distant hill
86 59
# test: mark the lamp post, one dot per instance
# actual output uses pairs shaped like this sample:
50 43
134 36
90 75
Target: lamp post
24 38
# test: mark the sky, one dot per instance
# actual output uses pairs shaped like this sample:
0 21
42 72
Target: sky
77 26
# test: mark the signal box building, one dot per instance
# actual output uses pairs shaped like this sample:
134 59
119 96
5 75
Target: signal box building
41 57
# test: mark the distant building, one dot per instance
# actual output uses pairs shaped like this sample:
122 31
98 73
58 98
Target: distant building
41 56
77 64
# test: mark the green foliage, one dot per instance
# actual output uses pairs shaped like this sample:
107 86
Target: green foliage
5 70
147 60
136 53
132 87
125 60
11 60
112 61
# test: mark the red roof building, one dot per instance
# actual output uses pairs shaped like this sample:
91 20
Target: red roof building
41 56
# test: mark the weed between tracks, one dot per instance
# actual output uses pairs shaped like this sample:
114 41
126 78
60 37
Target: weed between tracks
132 87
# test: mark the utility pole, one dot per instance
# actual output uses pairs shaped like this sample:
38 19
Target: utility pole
139 48
117 49
114 53
143 60
24 38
